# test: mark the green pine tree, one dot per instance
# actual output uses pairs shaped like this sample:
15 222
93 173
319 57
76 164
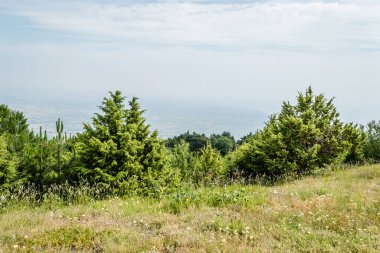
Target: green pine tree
183 160
209 166
16 129
300 138
8 166
118 149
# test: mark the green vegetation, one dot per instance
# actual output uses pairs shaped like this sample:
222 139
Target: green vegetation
372 147
183 160
330 211
209 167
118 154
196 141
8 165
118 151
118 186
224 142
299 139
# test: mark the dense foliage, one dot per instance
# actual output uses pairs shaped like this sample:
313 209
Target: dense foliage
372 146
47 161
224 142
204 167
356 139
210 167
118 150
300 138
244 139
183 160
8 165
196 141
117 153
32 158
14 126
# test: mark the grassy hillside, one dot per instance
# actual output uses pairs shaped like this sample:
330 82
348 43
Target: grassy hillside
333 211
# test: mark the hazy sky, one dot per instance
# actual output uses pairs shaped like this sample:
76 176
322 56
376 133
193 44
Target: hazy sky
231 53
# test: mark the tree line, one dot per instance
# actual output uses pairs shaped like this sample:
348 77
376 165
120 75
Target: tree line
117 152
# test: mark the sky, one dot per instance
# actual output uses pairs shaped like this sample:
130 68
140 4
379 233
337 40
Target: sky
229 54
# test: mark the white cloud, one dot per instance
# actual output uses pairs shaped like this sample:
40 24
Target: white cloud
312 26
247 54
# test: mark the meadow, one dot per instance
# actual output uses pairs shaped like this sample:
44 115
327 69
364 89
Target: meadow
170 126
332 210
306 182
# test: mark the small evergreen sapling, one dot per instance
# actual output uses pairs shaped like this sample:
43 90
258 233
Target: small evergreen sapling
183 160
8 166
209 167
372 146
59 140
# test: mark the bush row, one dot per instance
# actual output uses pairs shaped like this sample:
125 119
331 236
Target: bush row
117 152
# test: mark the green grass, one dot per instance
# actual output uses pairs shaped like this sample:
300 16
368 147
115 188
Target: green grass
334 211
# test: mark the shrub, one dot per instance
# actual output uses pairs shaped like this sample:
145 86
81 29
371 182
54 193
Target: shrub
357 140
15 127
372 146
300 138
196 141
183 160
47 161
8 166
210 167
119 150
224 142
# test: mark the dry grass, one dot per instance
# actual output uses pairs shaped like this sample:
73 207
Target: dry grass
333 212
